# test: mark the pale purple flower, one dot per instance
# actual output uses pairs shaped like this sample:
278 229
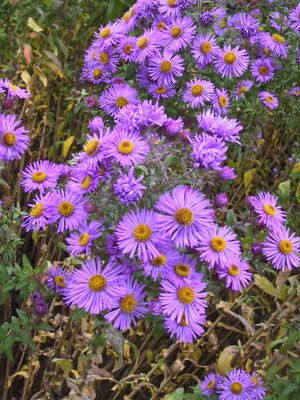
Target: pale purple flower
231 62
208 152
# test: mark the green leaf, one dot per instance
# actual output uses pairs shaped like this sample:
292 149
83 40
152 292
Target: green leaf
65 364
33 25
284 190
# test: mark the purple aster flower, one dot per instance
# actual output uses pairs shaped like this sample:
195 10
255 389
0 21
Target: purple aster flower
221 200
231 62
210 383
82 241
225 128
258 390
83 181
281 248
94 150
173 127
269 213
128 189
236 386
182 269
218 246
256 248
170 8
142 76
117 97
129 19
294 19
91 101
39 215
58 278
130 305
178 34
206 19
107 59
13 90
183 215
127 48
183 300
165 68
158 267
247 26
221 101
197 92
68 211
127 148
40 175
145 8
278 20
108 35
241 88
227 174
94 287
262 70
146 46
161 91
208 152
185 331
235 274
111 245
269 100
275 43
295 91
203 49
39 303
137 234
13 141
96 74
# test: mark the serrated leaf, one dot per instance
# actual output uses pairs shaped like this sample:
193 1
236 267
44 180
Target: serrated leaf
33 25
67 144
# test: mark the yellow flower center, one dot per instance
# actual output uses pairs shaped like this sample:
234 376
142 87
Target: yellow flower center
37 210
97 73
161 90
186 295
211 384
197 90
121 102
86 182
39 176
161 26
126 147
269 99
243 89
184 216
205 48
97 283
9 139
104 57
285 247
84 239
172 3
60 281
264 70
182 270
230 57
91 147
234 270
278 38
166 66
105 33
128 303
270 210
222 101
13 87
176 32
65 208
159 261
128 49
142 233
142 43
236 388
218 243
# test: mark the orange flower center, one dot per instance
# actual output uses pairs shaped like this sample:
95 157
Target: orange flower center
278 38
186 295
121 102
205 48
142 233
142 43
126 147
166 66
128 49
104 58
234 270
91 147
86 182
230 57
197 90
218 243
9 139
37 210
176 32
182 270
60 281
264 70
97 283
128 303
159 261
223 101
184 216
39 176
270 210
84 239
66 208
105 33
161 90
236 388
285 247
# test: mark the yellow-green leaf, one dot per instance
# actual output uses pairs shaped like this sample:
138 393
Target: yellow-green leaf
25 76
67 144
226 358
33 25
65 364
284 190
264 284
296 167
248 178
42 76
